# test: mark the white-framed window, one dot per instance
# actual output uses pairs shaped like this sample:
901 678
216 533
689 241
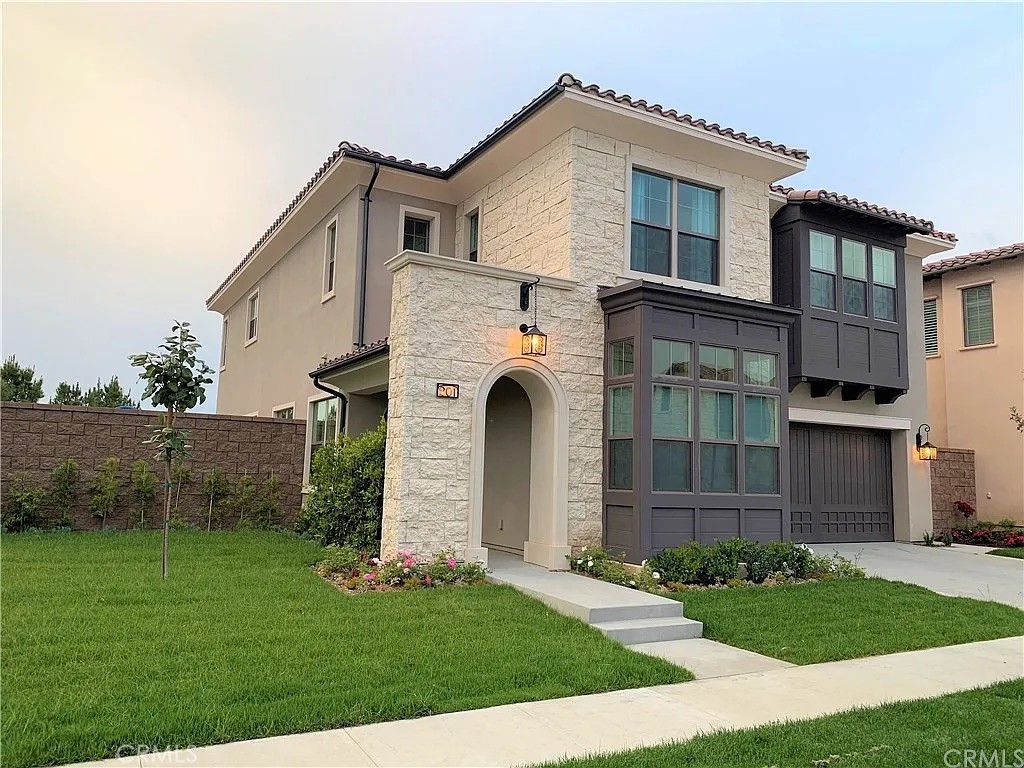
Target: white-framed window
473 235
675 228
323 425
252 316
224 343
285 411
931 327
330 258
418 229
977 307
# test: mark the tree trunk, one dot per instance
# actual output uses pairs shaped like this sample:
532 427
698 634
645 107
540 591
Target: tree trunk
209 516
167 500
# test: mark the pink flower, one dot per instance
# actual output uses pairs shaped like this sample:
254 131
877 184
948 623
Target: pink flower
428 581
409 562
370 576
405 552
451 562
375 560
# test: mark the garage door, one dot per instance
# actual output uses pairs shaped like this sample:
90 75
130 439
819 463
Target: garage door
841 487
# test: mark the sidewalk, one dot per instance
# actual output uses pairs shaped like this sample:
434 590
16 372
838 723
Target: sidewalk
535 732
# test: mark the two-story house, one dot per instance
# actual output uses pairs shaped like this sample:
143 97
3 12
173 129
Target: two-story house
605 323
974 348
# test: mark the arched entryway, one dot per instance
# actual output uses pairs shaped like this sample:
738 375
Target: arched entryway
520 502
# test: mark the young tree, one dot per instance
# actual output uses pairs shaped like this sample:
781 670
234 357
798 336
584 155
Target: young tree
181 476
176 380
18 383
106 489
63 488
109 395
144 488
67 394
215 488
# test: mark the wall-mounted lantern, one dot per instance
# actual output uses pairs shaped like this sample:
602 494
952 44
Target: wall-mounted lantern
535 341
925 450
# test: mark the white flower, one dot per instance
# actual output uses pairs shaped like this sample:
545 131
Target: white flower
405 570
656 575
590 563
583 550
632 583
643 563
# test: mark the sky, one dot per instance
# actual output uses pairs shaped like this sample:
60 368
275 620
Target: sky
146 147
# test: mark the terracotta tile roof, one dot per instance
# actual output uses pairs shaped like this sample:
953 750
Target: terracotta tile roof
950 236
1011 251
367 350
566 81
844 201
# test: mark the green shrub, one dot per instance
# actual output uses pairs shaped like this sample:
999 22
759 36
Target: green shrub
604 565
346 500
215 488
63 489
269 505
106 489
143 488
717 563
1009 522
343 560
783 557
24 501
243 500
834 566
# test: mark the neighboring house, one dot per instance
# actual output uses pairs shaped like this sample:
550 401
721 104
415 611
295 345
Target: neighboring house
723 356
974 345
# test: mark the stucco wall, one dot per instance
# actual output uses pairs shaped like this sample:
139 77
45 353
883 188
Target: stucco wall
295 328
36 438
426 496
972 389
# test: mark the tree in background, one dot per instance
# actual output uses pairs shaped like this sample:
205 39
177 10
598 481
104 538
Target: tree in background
67 394
106 489
144 488
215 488
176 380
18 383
243 500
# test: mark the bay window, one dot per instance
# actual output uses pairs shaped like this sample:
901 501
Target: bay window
855 275
883 283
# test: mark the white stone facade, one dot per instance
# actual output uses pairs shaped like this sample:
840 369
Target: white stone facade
562 212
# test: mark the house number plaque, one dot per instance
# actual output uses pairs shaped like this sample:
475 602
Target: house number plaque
448 391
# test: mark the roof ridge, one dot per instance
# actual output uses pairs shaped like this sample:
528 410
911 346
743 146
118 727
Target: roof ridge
1008 251
837 198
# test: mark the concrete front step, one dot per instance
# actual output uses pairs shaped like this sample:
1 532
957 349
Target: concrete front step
651 630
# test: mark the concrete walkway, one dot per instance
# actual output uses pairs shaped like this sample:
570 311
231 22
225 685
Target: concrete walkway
533 732
949 571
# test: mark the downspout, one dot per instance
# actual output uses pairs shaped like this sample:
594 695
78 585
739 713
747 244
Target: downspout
343 415
361 328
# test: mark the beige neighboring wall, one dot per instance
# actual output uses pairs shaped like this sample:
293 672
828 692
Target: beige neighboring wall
971 389
295 328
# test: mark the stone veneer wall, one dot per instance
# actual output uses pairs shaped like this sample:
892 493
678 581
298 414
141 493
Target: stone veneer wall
36 438
952 481
426 492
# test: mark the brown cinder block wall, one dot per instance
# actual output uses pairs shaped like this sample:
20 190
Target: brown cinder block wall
35 438
952 481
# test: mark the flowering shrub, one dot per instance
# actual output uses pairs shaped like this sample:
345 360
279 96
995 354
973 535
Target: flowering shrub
361 573
695 565
989 537
966 509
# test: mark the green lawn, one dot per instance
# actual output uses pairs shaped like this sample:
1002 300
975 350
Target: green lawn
245 641
916 734
1017 552
832 620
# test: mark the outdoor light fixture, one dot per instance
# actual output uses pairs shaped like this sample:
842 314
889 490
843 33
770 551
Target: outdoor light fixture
925 450
535 341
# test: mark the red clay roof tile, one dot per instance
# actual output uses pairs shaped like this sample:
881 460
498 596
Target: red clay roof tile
834 198
963 261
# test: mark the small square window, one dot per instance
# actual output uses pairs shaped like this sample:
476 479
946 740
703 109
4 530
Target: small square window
823 252
717 415
416 234
759 369
284 413
855 297
761 419
652 199
717 363
670 358
761 469
672 466
622 358
884 266
717 468
650 249
855 259
977 307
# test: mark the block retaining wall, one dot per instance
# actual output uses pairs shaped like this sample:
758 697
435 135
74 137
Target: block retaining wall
952 481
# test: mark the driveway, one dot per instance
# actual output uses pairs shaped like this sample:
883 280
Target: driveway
958 570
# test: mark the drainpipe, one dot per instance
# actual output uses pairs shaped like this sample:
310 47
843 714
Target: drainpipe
343 408
361 328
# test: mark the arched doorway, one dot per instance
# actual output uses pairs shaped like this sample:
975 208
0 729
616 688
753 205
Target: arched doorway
511 395
506 491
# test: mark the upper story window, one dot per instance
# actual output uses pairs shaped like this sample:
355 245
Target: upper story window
674 228
978 328
252 316
330 257
473 235
224 343
931 327
417 234
859 267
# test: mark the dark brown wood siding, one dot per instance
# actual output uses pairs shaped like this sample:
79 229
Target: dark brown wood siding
841 484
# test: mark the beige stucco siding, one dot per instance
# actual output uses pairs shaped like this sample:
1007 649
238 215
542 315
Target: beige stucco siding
972 388
295 327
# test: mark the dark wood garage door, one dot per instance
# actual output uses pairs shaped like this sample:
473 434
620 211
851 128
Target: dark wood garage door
841 487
